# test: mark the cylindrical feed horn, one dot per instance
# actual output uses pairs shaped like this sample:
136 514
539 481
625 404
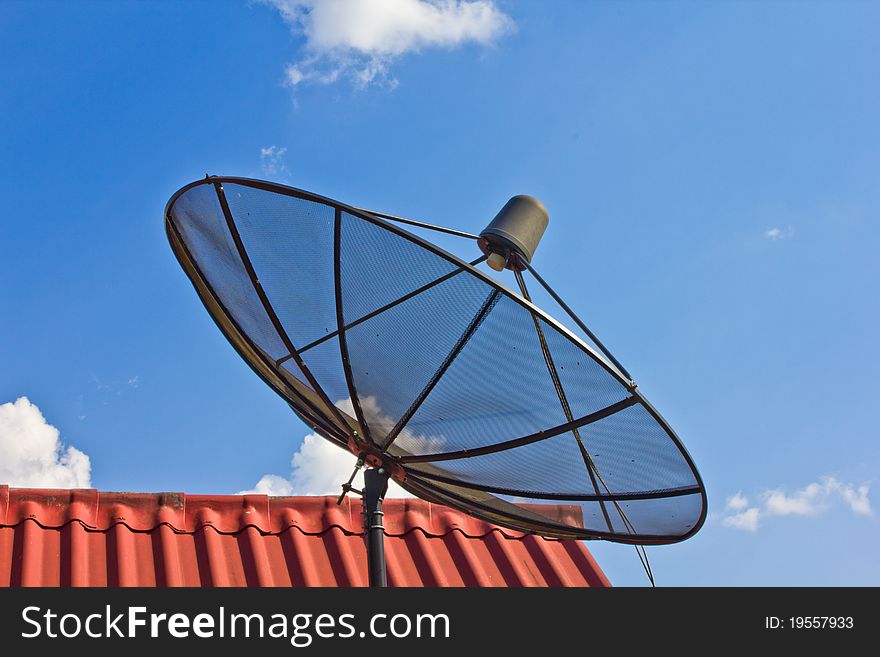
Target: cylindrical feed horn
511 238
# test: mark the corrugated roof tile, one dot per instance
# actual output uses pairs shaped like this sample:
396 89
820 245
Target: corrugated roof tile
87 538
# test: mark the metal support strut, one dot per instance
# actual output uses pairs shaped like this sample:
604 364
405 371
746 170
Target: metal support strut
375 487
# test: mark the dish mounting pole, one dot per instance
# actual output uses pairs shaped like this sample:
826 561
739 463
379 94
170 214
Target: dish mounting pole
375 487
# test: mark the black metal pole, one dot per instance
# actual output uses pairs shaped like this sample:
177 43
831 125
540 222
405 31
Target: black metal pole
375 487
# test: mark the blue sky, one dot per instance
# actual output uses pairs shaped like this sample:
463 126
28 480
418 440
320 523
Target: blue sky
710 169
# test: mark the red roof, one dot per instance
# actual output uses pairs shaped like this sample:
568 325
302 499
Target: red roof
86 538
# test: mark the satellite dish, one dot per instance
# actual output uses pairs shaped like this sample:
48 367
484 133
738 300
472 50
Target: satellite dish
430 370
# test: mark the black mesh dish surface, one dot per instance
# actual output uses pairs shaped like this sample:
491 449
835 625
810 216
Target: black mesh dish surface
401 352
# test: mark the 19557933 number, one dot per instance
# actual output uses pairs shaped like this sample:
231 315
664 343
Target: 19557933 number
809 623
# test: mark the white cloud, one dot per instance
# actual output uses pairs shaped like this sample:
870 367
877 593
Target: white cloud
272 162
745 520
857 499
816 498
318 468
32 454
812 500
360 39
779 233
737 502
